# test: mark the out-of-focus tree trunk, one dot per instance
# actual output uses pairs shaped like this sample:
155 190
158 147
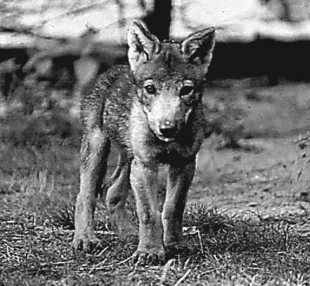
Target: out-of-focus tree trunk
159 20
295 10
290 10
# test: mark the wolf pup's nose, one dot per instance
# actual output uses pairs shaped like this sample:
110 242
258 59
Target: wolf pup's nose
168 129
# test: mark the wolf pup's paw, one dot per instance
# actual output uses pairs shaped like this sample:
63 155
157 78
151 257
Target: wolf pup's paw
85 243
149 256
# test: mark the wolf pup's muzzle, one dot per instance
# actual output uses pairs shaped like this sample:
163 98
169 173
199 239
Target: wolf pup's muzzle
167 131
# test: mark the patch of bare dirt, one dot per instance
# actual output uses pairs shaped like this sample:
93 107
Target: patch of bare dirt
268 174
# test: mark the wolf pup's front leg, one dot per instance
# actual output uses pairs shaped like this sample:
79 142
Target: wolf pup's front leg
179 180
144 181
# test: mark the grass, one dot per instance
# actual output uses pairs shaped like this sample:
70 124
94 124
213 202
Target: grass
39 182
35 250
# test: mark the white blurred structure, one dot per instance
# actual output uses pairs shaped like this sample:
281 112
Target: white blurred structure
235 20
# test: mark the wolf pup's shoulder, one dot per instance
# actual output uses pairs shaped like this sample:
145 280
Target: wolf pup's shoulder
115 84
119 75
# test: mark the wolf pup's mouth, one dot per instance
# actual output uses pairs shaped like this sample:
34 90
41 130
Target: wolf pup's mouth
165 139
167 133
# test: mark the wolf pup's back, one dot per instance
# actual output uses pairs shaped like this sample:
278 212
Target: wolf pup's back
108 102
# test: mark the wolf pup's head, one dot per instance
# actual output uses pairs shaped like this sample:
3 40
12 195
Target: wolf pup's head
169 76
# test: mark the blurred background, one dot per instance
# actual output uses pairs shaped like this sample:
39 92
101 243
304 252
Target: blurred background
254 37
67 43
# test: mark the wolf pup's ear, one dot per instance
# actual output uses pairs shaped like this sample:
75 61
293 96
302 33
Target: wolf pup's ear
198 47
142 44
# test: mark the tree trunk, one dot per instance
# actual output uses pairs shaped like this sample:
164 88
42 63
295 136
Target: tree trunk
158 21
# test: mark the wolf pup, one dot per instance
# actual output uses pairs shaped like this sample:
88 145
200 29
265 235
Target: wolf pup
152 112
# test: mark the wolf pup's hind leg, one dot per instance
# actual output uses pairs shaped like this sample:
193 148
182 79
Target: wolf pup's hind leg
116 196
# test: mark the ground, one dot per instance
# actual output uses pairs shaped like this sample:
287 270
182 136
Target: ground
248 215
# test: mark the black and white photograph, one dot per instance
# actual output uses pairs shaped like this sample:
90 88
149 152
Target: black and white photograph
155 142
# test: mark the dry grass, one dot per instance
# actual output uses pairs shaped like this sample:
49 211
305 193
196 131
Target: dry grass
35 250
39 182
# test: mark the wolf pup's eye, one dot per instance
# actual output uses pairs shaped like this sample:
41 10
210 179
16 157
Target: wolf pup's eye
149 87
187 88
